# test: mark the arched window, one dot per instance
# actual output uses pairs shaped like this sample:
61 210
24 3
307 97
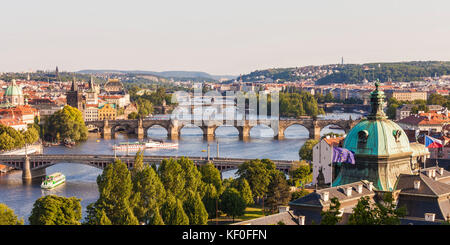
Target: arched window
363 135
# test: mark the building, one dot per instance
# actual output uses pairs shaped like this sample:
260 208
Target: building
90 112
74 97
107 111
91 94
385 162
430 121
322 160
407 95
114 86
14 95
403 111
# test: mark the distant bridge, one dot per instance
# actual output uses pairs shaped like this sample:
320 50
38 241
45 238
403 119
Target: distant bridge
108 128
33 166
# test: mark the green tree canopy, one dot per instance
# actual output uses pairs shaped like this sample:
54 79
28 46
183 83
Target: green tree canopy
278 191
257 175
194 208
115 188
332 215
232 203
210 199
56 210
244 189
66 123
8 217
172 177
301 175
211 175
172 212
306 151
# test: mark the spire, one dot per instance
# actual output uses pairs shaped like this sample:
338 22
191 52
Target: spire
376 101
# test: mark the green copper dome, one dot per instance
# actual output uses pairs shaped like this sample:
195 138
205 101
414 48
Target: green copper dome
381 147
380 137
13 90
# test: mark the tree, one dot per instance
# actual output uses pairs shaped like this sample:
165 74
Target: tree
383 213
306 151
115 188
171 175
210 199
7 216
172 212
145 107
66 123
194 208
6 142
363 213
232 203
255 172
302 175
298 194
148 195
133 115
211 175
332 215
31 135
56 210
191 175
278 191
244 189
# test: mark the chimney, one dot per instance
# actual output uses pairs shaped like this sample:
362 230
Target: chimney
429 173
325 196
441 171
430 217
328 137
348 191
359 189
282 209
370 186
416 184
301 220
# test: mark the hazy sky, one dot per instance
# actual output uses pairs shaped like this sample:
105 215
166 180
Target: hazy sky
219 37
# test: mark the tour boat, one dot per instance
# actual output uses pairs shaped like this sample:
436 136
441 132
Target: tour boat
129 146
53 180
160 144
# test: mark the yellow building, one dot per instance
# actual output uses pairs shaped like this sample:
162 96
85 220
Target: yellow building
107 111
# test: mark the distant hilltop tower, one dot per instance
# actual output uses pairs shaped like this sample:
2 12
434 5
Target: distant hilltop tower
57 74
342 60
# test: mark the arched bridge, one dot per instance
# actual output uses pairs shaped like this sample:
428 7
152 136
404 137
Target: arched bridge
33 166
108 128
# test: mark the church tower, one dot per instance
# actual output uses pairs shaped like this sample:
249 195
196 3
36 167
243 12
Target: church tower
74 97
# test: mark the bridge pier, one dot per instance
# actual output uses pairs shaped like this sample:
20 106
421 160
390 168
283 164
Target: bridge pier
280 134
26 171
315 132
244 132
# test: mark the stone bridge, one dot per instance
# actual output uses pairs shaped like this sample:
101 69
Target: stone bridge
108 128
33 166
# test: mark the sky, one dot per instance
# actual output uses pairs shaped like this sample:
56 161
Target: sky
229 37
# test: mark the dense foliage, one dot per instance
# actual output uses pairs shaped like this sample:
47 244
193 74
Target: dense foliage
7 216
66 124
56 210
299 104
306 151
402 72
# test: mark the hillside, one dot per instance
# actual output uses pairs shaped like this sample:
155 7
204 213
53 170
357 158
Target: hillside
353 73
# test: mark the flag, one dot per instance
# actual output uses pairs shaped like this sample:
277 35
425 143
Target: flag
431 142
343 155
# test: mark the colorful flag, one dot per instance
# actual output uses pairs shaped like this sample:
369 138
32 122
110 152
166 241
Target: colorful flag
431 142
343 155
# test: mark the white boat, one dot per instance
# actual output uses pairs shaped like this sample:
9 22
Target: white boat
157 144
131 146
53 180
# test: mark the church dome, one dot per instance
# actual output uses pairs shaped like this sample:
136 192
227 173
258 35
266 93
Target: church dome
377 135
13 90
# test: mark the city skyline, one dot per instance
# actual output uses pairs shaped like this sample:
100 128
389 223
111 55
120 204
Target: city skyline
229 38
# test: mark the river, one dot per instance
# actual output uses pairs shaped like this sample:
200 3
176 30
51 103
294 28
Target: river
81 179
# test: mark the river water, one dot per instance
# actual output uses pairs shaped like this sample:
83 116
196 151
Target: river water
81 179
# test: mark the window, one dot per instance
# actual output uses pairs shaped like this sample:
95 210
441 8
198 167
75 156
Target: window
362 138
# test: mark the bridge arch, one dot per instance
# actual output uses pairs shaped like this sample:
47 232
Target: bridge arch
263 130
190 130
221 131
157 130
296 130
332 128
